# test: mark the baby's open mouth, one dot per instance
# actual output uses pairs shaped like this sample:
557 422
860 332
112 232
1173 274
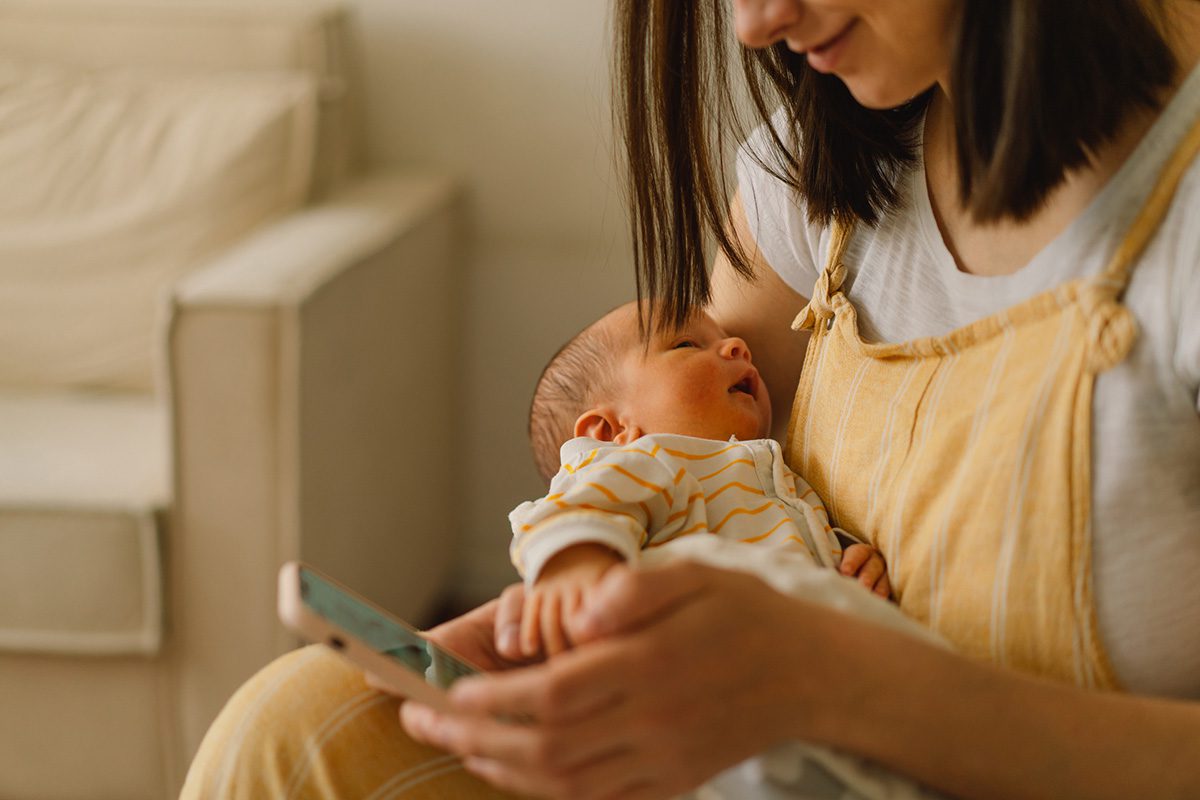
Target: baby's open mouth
745 386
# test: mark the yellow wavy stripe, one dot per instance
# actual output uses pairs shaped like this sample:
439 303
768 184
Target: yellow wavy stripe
679 475
727 466
523 541
735 485
699 526
651 453
604 490
645 510
550 498
586 461
653 486
736 511
760 537
590 507
806 494
693 457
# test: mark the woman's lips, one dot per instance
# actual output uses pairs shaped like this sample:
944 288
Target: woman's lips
823 57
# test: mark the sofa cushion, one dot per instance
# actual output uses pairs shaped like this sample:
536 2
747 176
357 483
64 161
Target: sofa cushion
83 486
117 182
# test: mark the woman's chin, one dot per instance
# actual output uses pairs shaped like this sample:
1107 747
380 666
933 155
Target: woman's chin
879 95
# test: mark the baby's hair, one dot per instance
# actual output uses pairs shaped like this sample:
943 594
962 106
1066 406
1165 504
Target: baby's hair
578 374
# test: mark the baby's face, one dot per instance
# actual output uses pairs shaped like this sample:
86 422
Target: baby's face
694 381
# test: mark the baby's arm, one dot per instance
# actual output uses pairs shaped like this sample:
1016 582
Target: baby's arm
559 593
604 506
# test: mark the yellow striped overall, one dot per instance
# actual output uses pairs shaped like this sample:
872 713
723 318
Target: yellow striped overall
966 458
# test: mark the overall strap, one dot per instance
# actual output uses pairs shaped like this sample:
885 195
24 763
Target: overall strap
830 280
1112 329
1115 276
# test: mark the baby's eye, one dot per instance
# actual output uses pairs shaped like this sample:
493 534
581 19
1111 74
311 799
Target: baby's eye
684 343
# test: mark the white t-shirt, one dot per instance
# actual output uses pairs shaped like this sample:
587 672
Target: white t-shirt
1146 425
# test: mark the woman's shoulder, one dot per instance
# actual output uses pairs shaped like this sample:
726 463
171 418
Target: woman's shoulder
775 213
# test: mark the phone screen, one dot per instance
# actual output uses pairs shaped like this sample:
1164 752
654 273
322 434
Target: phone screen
381 633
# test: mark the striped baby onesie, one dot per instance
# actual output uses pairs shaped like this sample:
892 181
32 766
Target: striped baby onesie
663 487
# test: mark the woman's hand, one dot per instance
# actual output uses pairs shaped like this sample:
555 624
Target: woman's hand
686 670
485 636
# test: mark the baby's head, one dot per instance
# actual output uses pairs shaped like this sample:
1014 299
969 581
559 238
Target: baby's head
609 384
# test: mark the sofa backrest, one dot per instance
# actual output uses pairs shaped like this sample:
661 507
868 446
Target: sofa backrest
308 36
137 141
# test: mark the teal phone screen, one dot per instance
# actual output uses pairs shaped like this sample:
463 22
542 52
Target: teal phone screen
390 638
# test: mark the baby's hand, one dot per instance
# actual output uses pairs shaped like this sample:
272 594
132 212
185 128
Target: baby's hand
865 563
559 593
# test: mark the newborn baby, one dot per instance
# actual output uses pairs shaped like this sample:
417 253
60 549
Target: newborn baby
646 442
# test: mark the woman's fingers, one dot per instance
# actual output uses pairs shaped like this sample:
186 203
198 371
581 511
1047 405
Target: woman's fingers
591 757
668 688
508 621
377 683
626 599
883 587
473 636
572 685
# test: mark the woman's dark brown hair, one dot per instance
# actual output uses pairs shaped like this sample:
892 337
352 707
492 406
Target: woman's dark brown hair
1037 85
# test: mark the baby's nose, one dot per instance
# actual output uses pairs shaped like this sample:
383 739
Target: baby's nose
734 347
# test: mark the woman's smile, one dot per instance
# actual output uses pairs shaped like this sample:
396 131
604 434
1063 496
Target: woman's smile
823 57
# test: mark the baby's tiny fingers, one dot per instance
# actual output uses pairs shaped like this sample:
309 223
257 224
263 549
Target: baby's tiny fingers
870 572
531 621
853 558
508 621
552 626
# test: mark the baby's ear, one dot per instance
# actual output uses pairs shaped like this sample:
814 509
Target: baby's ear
600 423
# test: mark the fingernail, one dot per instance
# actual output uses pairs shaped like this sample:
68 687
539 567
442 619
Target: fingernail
420 719
465 693
507 642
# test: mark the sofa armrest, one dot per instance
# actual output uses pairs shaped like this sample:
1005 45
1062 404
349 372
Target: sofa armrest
312 376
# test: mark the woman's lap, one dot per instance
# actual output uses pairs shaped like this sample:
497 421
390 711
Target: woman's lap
307 726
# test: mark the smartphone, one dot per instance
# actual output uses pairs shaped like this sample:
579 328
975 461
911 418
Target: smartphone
320 609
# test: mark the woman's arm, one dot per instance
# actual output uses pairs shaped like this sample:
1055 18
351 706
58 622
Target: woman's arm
694 669
761 312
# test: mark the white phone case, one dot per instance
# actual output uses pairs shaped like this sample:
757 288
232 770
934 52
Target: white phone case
302 619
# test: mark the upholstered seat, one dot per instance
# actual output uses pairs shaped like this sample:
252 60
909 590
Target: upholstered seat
84 490
208 305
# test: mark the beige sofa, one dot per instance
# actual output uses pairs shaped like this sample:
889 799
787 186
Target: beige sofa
223 344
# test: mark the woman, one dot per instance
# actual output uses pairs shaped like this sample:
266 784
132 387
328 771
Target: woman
1000 390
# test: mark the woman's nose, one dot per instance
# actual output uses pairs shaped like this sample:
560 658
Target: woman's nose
735 348
761 23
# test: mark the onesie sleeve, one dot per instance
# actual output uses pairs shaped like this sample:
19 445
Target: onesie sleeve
610 495
775 213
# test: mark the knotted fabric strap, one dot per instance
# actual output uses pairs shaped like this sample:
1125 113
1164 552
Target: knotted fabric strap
829 282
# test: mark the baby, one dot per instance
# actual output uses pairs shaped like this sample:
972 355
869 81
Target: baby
645 442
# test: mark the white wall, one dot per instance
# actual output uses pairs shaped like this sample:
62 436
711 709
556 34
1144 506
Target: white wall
511 97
